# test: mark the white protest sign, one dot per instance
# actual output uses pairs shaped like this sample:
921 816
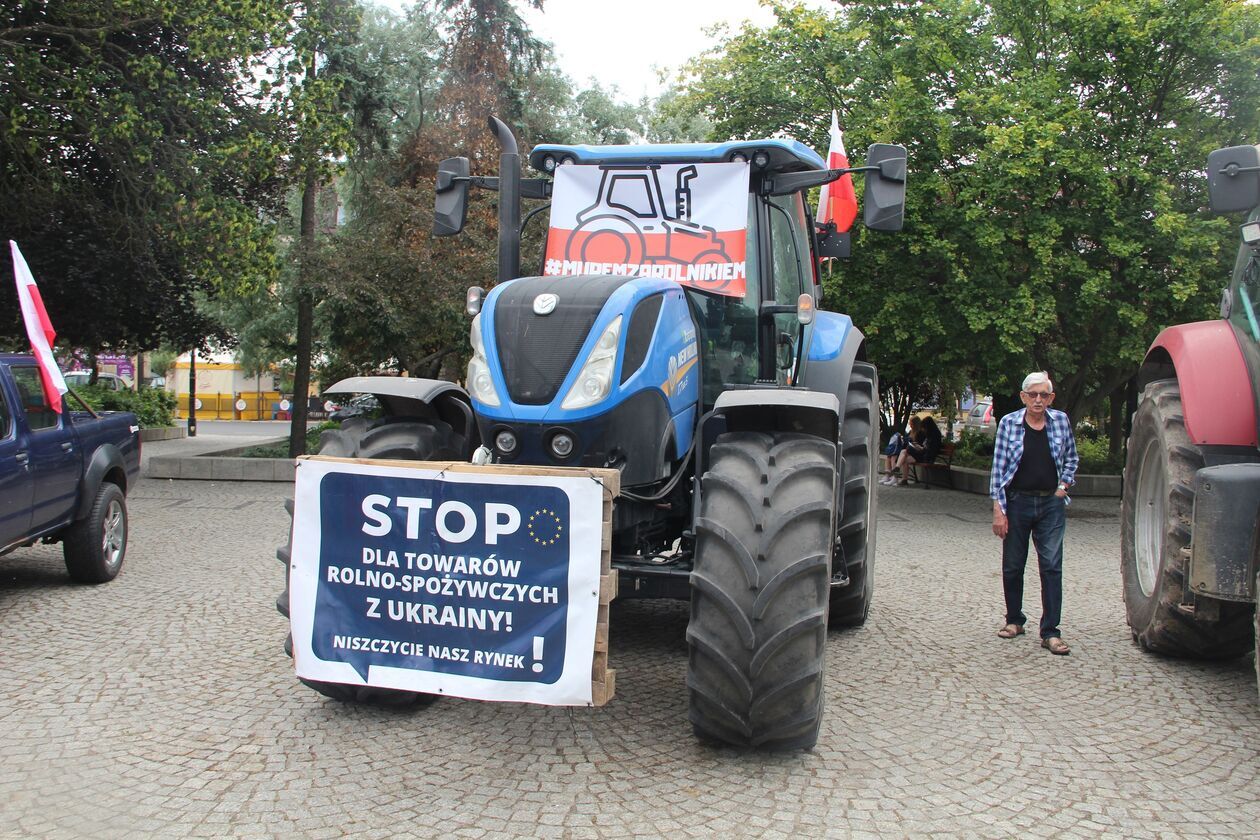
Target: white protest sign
478 585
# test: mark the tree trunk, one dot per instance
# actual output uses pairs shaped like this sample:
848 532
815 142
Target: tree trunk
305 322
1115 423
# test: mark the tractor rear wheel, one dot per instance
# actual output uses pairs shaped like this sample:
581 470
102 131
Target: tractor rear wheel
855 537
399 438
759 587
1155 537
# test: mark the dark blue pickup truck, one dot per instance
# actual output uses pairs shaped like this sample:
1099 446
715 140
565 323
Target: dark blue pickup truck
64 476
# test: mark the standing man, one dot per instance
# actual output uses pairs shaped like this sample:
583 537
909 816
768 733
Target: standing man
1034 464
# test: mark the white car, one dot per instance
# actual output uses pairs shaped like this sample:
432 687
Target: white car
109 381
980 419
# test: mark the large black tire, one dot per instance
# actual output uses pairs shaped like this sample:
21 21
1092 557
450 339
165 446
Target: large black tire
94 547
855 539
759 589
1155 537
397 438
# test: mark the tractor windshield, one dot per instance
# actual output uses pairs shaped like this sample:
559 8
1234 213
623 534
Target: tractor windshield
1245 308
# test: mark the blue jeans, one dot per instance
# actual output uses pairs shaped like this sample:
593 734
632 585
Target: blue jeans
1044 518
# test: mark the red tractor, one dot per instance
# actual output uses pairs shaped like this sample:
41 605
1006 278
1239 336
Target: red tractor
1191 541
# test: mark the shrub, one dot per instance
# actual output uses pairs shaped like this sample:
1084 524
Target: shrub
976 451
1096 460
153 407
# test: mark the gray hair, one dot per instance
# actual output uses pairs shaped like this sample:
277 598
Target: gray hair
1038 377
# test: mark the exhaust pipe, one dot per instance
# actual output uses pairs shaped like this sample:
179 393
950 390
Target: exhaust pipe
509 201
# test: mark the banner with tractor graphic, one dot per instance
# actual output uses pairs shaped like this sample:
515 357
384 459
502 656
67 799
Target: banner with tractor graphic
683 222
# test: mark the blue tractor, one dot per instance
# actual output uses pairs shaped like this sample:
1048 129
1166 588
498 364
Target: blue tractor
745 428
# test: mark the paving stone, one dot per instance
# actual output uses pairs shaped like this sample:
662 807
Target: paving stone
162 705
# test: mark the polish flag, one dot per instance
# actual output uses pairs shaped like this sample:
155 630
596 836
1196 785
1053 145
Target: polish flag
40 330
838 202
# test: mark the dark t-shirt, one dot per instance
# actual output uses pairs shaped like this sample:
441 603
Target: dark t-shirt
1036 466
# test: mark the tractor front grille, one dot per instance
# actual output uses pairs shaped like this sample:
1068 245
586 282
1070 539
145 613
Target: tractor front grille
537 351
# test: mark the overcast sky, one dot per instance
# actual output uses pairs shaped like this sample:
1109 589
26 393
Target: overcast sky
624 43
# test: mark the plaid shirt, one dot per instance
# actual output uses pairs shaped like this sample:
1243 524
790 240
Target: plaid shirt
1009 448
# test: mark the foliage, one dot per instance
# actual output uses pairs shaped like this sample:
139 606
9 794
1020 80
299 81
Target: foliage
976 451
153 407
1054 218
137 160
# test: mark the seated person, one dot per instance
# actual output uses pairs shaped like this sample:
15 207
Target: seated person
896 445
922 452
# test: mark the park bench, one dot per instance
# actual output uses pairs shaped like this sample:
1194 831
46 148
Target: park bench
923 473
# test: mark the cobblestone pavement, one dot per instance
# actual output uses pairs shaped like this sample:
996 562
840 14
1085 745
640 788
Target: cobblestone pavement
162 705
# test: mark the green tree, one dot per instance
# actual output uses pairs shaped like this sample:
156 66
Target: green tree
1054 215
137 160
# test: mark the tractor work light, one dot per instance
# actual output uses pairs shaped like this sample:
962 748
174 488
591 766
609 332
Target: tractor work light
472 301
480 383
549 163
739 157
505 442
761 160
594 380
562 444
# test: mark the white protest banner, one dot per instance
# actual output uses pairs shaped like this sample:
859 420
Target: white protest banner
683 222
481 585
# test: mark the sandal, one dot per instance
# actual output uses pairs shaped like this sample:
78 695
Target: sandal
1056 646
1010 631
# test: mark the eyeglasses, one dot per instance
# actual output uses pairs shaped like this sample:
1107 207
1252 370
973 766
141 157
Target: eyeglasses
1039 395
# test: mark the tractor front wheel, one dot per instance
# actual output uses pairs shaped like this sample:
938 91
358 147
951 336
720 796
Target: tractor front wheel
1155 537
399 438
855 539
759 589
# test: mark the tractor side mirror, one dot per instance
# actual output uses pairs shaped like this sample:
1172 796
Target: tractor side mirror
885 195
450 205
1234 178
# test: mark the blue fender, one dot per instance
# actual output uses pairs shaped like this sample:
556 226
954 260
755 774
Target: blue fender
106 464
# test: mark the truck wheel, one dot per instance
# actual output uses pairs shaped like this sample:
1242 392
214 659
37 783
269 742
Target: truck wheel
1155 535
398 438
94 547
764 536
855 537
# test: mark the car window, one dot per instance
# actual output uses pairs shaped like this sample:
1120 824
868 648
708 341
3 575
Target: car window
39 415
6 417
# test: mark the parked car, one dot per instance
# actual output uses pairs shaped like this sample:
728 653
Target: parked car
64 476
360 405
980 419
110 381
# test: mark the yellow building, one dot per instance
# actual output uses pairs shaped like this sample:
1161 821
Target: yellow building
225 390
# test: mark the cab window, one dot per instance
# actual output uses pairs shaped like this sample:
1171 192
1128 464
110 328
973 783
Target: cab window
6 416
39 415
789 254
1245 307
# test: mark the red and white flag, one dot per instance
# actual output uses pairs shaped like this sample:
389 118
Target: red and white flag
40 330
838 202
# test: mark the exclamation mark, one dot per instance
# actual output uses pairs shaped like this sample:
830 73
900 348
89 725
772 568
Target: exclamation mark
538 647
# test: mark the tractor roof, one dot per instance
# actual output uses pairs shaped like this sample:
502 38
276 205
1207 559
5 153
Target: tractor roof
784 155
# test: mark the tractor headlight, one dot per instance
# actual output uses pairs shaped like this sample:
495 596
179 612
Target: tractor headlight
594 380
480 383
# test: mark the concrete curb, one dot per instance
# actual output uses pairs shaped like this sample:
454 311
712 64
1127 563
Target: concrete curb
977 481
163 433
224 465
